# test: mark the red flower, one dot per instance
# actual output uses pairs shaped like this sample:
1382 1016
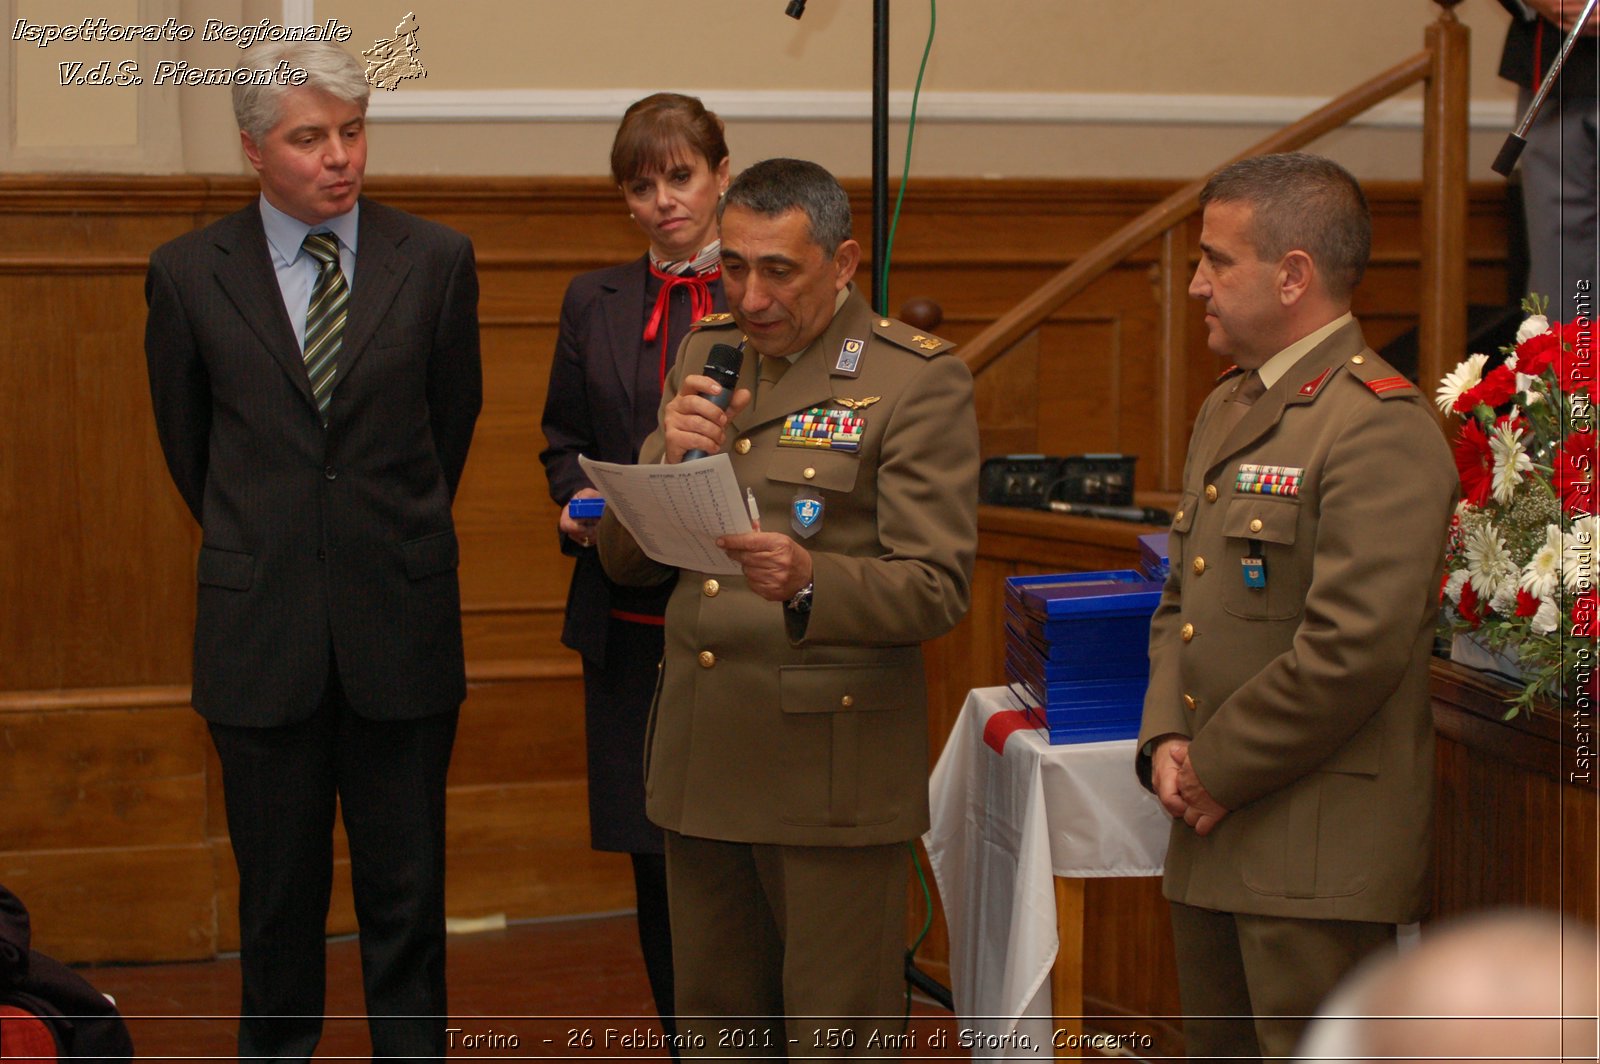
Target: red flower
1573 476
1527 603
1575 364
1583 614
1474 463
1468 606
1496 389
1538 353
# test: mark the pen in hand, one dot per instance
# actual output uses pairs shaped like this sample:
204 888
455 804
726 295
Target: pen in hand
755 511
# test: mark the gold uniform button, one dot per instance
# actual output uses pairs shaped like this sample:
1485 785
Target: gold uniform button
809 473
743 446
1199 566
1187 632
847 701
1360 360
1211 493
1189 703
1255 525
1178 516
884 322
711 588
707 659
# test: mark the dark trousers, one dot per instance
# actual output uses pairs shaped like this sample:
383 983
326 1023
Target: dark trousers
281 786
787 950
1250 984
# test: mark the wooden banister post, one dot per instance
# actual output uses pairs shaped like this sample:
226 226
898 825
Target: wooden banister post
1442 328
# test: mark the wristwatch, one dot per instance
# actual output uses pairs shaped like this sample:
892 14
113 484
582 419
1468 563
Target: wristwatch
801 603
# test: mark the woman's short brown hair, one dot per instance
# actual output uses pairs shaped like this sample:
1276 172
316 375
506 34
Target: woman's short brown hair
656 127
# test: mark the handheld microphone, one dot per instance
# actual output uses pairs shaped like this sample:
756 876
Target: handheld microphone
722 366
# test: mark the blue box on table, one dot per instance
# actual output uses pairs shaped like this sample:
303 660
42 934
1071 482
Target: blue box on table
1153 556
1076 651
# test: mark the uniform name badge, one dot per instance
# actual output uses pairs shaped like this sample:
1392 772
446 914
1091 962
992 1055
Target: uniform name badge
805 513
1255 572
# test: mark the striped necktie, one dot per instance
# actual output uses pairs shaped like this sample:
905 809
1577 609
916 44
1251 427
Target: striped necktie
325 318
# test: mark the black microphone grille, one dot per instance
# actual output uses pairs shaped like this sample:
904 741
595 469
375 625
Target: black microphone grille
725 357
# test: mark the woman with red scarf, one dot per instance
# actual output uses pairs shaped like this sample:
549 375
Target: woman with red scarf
620 329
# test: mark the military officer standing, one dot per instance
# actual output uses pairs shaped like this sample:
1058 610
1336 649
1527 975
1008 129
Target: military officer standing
788 755
1287 726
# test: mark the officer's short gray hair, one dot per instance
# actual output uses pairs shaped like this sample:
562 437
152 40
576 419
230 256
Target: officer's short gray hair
257 108
778 186
1303 201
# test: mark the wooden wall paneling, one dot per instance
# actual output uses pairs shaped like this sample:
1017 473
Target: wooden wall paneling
96 566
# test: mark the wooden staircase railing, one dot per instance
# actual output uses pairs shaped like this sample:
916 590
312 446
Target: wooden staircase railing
1442 67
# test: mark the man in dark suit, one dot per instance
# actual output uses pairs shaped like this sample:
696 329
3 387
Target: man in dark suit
314 367
1287 726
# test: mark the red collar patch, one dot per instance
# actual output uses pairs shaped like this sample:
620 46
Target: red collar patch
1313 386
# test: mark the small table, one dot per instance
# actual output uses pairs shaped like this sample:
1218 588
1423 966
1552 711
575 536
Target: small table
1017 825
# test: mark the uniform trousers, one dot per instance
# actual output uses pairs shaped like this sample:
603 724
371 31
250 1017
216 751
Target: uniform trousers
1250 984
281 786
792 950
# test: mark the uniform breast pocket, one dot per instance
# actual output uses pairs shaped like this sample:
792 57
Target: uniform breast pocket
1266 583
824 471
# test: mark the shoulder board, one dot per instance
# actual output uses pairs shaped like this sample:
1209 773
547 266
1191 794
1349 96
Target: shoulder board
1227 374
902 335
1381 378
714 321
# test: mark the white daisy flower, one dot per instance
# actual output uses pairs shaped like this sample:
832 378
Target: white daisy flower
1489 564
1545 621
1510 460
1578 548
1464 377
1532 326
1542 575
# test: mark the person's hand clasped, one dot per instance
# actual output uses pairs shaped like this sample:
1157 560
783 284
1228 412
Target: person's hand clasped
691 421
775 566
1202 812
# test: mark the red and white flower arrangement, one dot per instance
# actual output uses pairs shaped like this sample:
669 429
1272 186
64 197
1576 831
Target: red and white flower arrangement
1520 563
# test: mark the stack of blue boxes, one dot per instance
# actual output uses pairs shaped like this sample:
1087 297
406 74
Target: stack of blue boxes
1077 647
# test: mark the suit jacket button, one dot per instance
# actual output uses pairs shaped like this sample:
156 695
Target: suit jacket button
743 446
330 472
711 588
847 701
1211 493
1199 566
1187 632
1189 703
707 659
1255 525
808 472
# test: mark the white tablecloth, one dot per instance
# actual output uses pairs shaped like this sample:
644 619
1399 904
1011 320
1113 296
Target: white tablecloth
1002 826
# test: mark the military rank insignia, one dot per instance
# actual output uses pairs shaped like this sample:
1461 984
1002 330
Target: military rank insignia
823 428
1267 480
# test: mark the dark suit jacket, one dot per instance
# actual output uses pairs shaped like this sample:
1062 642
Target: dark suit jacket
319 544
594 407
1531 48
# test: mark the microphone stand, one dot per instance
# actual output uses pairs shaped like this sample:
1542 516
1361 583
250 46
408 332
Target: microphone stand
880 146
1511 151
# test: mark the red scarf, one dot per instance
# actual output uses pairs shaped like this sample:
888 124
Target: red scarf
699 304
